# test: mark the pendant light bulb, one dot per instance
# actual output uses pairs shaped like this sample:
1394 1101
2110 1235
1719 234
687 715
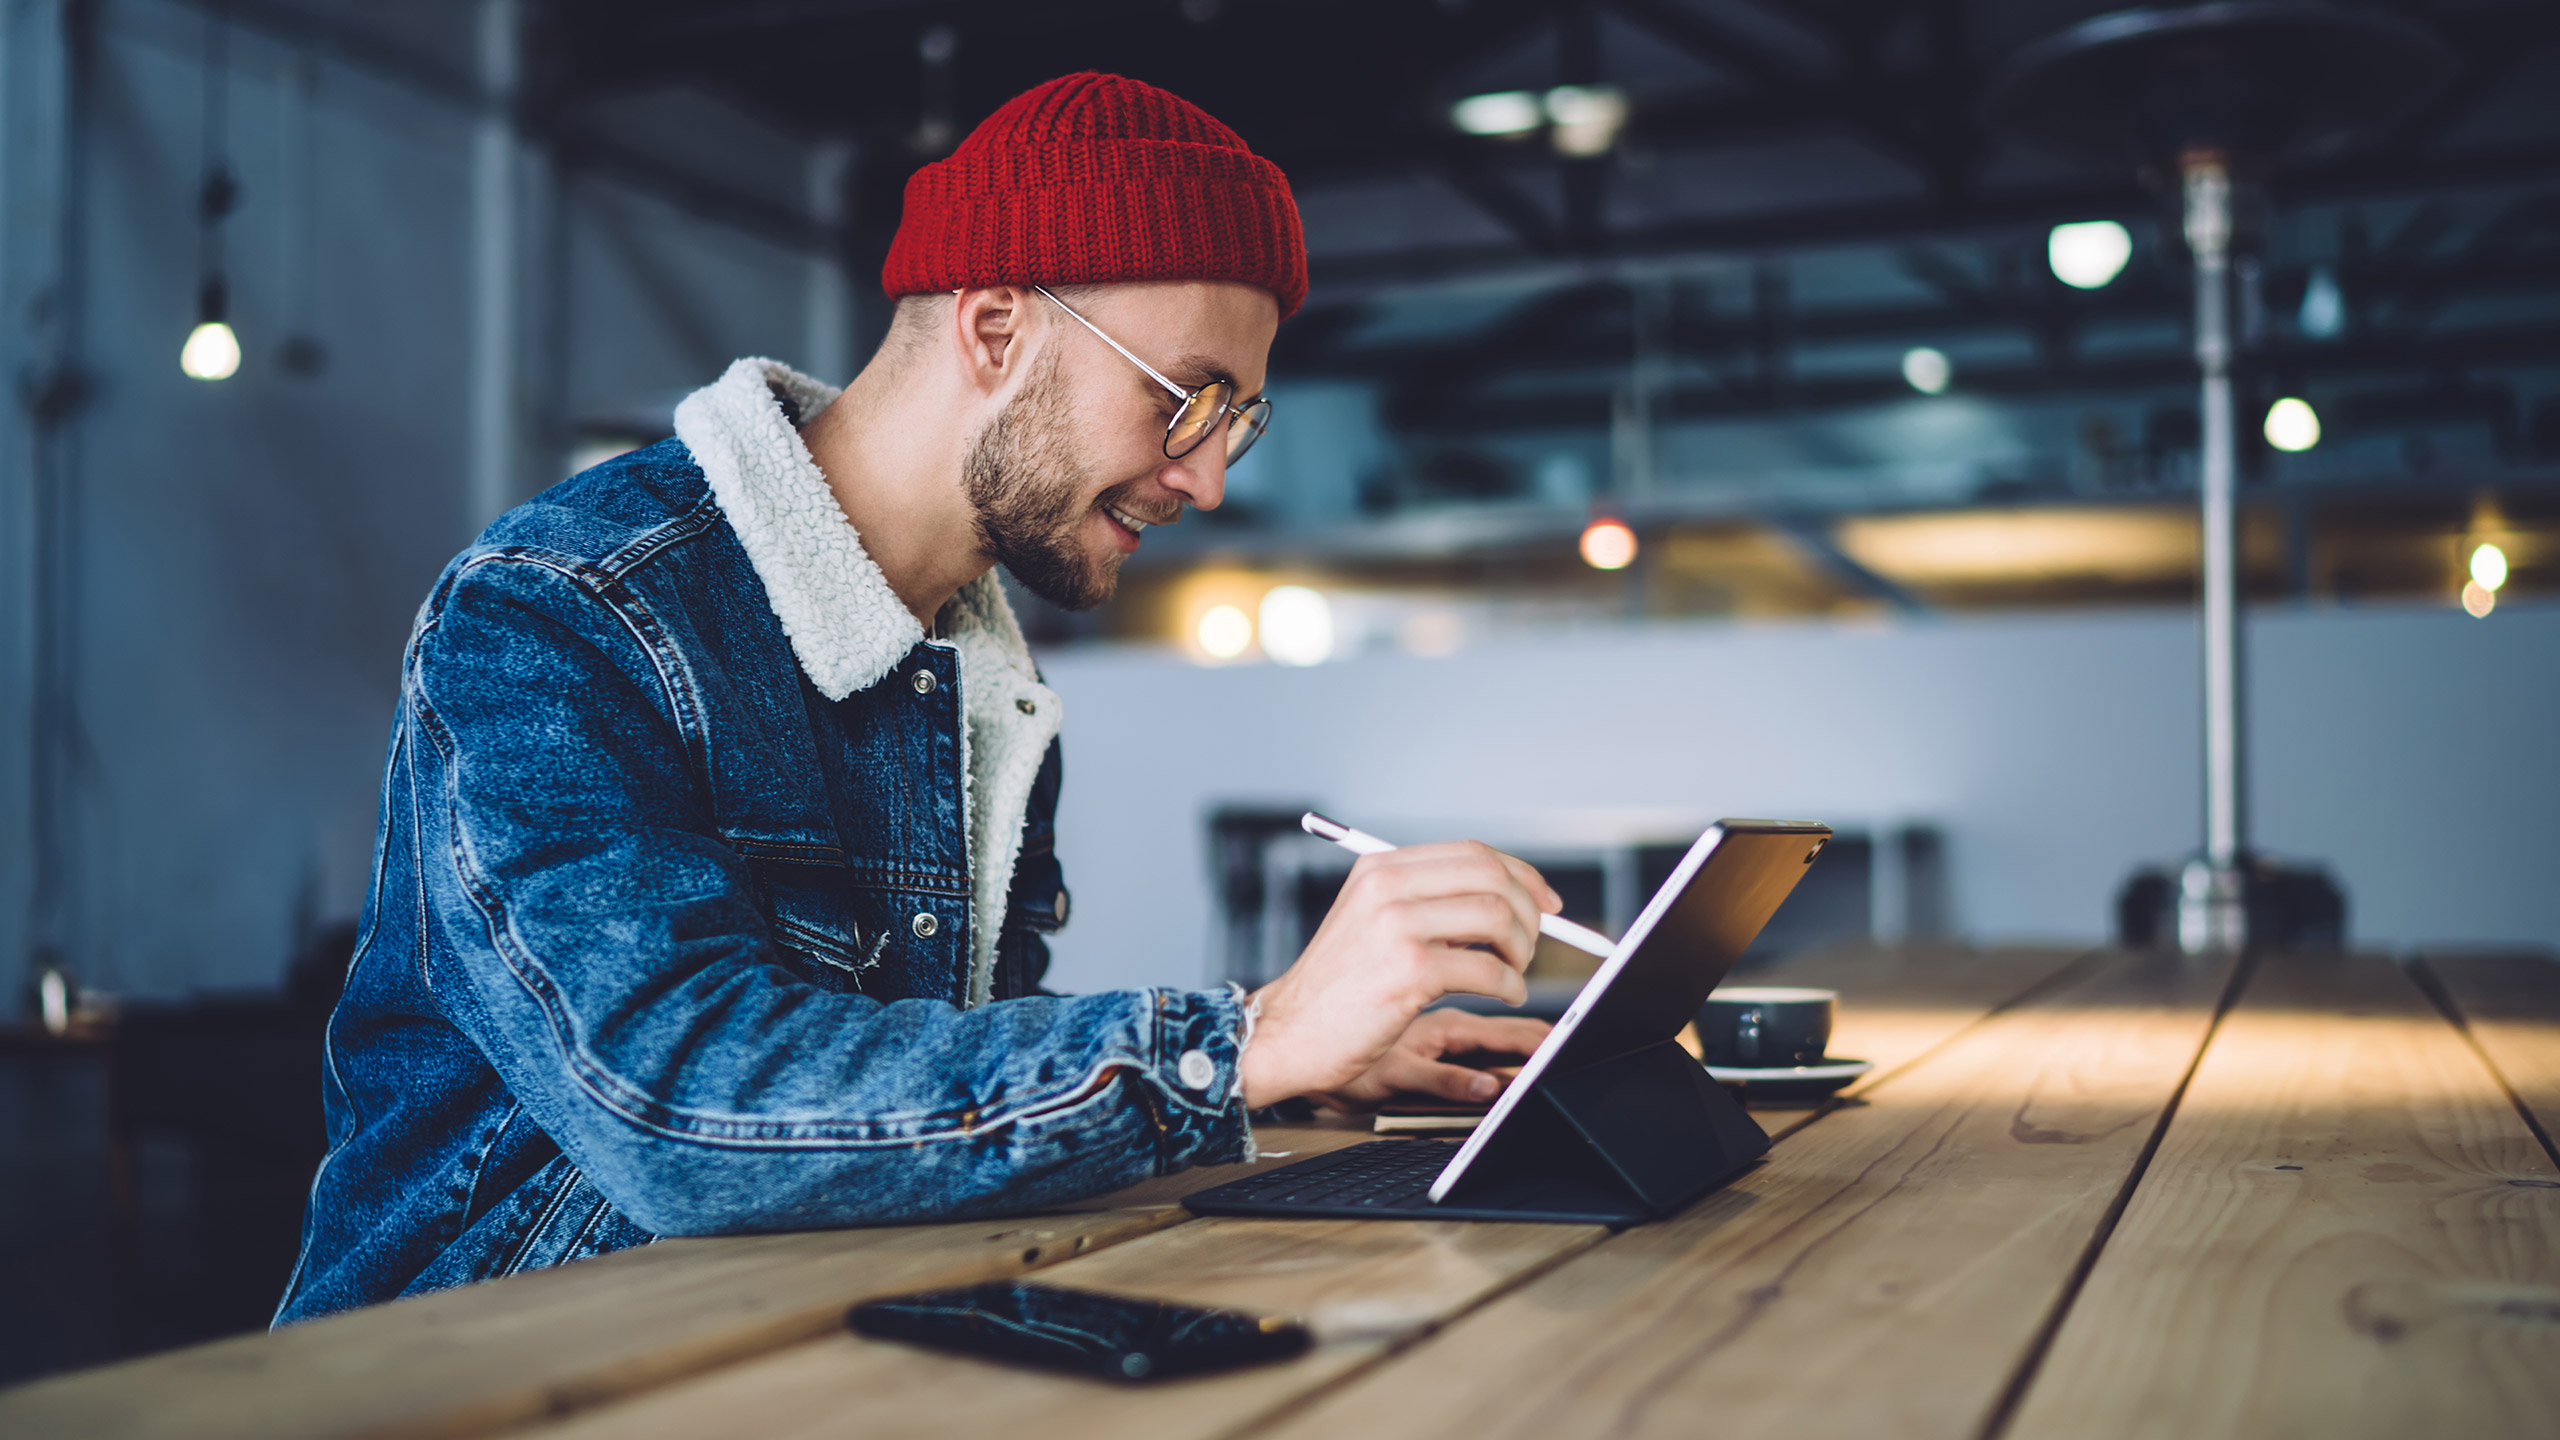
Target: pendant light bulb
212 351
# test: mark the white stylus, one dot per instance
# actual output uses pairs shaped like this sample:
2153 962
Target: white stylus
1361 842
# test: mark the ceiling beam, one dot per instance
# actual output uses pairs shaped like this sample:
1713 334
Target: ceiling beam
1555 346
1721 46
1915 218
2169 373
1866 111
1538 327
1464 171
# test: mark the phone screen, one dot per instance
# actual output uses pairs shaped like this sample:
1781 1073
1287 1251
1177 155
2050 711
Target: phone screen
1115 1336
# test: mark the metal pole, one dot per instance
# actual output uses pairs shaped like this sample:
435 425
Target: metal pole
494 223
2211 913
44 57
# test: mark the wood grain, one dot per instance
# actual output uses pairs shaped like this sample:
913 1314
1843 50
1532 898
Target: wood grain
467 1361
1365 1286
493 1356
2348 1231
2511 1006
484 1357
1879 1276
1897 1003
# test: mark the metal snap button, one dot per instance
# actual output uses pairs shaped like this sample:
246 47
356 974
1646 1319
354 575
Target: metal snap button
924 924
1026 707
1060 908
1195 1070
924 682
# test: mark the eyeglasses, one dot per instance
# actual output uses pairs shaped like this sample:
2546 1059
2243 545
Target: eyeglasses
1201 409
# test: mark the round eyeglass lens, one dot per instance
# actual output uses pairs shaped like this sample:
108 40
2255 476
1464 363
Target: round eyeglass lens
1247 427
1198 416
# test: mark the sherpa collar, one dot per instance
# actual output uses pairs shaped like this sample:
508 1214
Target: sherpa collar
849 629
846 625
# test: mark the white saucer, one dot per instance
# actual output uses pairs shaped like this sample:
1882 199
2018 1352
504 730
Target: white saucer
1835 1070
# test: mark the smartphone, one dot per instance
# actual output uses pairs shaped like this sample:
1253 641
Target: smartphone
1118 1337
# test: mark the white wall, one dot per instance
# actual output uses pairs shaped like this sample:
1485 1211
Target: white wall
2411 750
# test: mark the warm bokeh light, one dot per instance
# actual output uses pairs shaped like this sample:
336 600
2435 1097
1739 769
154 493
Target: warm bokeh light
2489 567
2087 255
1928 371
1608 544
2123 545
1175 612
1587 118
2292 424
212 352
2479 599
1297 625
1224 631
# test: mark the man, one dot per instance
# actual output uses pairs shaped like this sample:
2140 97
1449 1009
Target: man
715 849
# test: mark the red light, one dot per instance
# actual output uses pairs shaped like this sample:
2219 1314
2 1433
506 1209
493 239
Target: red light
1608 544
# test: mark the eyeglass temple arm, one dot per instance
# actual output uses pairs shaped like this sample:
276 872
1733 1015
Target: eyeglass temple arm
1176 391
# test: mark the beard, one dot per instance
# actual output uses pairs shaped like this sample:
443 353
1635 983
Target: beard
1028 488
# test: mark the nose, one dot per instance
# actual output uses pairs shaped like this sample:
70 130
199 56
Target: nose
1200 477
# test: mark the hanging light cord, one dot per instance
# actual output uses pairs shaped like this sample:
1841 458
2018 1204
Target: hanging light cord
220 192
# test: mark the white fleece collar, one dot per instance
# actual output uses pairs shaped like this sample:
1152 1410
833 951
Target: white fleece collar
846 625
849 629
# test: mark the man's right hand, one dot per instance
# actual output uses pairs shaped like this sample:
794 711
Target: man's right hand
1402 934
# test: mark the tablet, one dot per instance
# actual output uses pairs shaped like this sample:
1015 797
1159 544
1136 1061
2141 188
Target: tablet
1681 946
1609 1122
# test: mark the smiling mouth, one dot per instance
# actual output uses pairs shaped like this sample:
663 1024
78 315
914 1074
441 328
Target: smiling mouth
1135 525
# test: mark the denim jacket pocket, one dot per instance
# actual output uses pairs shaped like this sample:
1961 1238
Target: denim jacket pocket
805 893
853 930
830 960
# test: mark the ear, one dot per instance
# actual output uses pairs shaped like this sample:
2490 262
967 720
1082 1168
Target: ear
992 324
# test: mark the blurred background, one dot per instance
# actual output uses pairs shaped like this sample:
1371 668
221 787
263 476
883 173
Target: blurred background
1699 410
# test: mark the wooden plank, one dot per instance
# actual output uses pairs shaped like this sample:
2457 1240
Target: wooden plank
1880 1275
1897 1003
2348 1231
2511 1006
470 1360
1364 1285
487 1357
484 1357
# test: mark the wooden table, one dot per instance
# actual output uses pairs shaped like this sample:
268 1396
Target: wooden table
2093 1194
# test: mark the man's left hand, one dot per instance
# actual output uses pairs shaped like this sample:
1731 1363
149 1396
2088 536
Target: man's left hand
1417 1063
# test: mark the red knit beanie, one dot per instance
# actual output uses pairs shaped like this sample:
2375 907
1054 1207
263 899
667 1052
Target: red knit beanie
1095 178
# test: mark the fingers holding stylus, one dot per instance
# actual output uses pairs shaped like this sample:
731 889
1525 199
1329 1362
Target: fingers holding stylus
1466 870
1485 922
1410 927
1468 865
1474 972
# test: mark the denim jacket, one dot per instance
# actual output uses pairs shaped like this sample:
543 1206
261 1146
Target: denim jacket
709 895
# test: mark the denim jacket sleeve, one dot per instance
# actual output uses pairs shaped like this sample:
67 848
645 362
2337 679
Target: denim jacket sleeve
610 960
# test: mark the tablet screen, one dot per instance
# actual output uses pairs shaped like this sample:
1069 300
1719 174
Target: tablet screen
1682 944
